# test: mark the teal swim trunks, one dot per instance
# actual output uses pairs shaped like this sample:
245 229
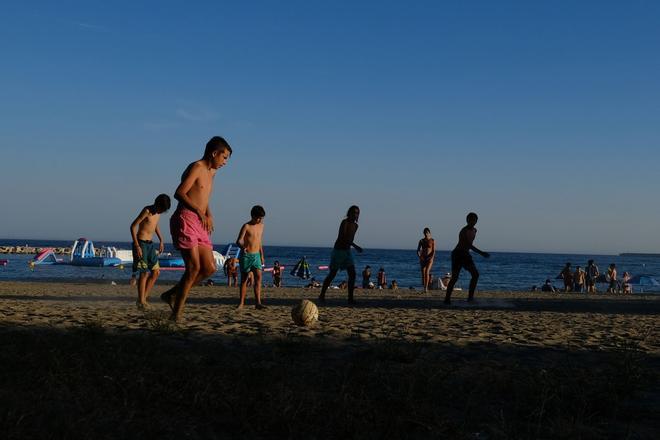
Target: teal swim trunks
341 259
149 260
248 262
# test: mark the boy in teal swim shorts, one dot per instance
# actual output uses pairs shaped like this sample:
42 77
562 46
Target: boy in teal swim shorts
341 257
251 260
145 255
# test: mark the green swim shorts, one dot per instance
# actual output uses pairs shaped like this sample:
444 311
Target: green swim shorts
248 262
149 260
341 259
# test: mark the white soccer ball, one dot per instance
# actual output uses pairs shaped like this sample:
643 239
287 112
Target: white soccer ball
305 313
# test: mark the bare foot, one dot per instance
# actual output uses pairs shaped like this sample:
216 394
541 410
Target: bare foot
142 306
169 298
240 307
259 306
176 319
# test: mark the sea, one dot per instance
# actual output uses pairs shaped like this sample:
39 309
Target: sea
503 271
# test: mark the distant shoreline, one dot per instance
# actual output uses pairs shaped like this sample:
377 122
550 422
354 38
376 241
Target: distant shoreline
638 254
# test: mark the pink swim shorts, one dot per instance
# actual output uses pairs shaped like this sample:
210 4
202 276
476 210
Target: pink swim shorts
187 230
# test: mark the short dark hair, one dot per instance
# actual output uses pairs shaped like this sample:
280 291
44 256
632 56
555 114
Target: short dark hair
258 211
427 230
214 144
352 208
162 202
472 215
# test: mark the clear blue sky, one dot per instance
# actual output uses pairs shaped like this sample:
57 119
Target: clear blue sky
543 117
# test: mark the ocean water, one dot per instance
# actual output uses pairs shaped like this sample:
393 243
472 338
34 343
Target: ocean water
504 271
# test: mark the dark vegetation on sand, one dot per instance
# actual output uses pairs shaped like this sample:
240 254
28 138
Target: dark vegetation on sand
89 382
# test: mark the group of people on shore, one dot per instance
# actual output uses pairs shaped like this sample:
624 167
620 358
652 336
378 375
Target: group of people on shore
192 223
585 280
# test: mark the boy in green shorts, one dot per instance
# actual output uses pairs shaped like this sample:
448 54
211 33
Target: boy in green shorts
341 257
145 254
251 260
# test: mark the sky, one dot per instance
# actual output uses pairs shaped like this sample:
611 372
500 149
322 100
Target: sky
543 117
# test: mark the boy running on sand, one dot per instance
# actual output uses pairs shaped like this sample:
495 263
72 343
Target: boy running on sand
145 255
252 254
192 222
341 258
461 258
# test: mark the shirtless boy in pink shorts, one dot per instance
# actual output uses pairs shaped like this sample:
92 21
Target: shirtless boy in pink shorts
192 223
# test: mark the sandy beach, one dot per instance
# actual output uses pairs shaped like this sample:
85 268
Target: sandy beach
396 365
581 322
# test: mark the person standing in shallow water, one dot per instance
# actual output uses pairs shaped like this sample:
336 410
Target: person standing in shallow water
426 254
461 258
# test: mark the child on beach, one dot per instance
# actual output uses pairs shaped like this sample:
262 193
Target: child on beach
277 274
426 254
231 271
612 279
366 275
461 258
252 254
192 223
341 257
382 279
145 255
578 280
592 274
567 275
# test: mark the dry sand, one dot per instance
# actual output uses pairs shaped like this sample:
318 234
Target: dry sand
567 321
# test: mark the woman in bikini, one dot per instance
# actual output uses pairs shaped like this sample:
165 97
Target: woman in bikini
426 254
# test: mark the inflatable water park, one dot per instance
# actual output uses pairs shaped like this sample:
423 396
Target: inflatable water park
83 253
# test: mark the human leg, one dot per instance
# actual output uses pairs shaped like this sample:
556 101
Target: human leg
257 288
351 283
151 281
473 281
142 288
456 266
242 290
192 262
326 283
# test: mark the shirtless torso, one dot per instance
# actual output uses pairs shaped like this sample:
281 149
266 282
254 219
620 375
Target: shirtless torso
148 223
251 237
197 184
347 230
466 238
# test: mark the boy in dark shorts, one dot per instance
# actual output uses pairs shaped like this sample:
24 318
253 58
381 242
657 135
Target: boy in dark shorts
145 254
341 258
461 258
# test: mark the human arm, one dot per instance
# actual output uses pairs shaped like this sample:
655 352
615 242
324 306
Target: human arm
240 241
357 248
209 218
419 249
161 246
480 252
432 249
134 230
263 259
